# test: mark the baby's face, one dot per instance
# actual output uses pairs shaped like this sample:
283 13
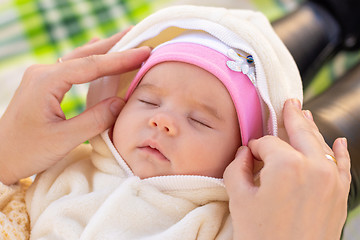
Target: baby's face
180 120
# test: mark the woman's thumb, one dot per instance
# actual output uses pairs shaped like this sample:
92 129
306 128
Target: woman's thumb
238 176
93 121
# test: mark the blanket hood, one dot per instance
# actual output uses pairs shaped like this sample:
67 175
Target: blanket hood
277 76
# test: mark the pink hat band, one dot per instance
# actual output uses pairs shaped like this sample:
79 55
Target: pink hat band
241 89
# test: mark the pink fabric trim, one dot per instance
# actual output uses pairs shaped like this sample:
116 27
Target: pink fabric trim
242 91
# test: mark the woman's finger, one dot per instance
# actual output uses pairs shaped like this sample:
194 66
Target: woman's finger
86 69
92 122
269 148
342 157
302 135
95 46
309 118
93 40
238 176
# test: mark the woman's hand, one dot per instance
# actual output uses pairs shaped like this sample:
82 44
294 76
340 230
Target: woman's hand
302 194
34 133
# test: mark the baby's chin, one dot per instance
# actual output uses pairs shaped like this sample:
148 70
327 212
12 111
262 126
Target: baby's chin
145 172
146 175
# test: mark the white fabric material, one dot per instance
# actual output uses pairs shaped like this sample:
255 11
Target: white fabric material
277 75
201 38
209 41
92 194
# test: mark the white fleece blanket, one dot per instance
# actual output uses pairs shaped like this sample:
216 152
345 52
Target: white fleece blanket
92 194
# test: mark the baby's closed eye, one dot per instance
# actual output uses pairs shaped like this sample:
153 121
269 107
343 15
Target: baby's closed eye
200 122
149 102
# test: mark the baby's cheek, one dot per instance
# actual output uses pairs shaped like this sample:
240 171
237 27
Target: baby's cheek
118 132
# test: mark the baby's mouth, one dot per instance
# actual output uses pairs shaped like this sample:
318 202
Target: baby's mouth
153 150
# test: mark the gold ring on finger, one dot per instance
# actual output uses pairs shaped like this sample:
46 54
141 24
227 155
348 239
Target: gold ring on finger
331 158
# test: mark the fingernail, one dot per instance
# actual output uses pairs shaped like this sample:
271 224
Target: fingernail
115 107
308 115
296 103
145 47
94 39
241 148
344 141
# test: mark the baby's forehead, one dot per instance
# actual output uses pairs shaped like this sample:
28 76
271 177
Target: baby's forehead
187 81
184 75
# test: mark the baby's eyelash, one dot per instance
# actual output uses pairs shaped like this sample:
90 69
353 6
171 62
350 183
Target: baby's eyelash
200 122
149 103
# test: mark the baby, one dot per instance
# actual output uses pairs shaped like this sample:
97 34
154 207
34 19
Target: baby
188 102
203 92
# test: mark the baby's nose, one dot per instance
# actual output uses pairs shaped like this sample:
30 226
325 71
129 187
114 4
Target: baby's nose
165 123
